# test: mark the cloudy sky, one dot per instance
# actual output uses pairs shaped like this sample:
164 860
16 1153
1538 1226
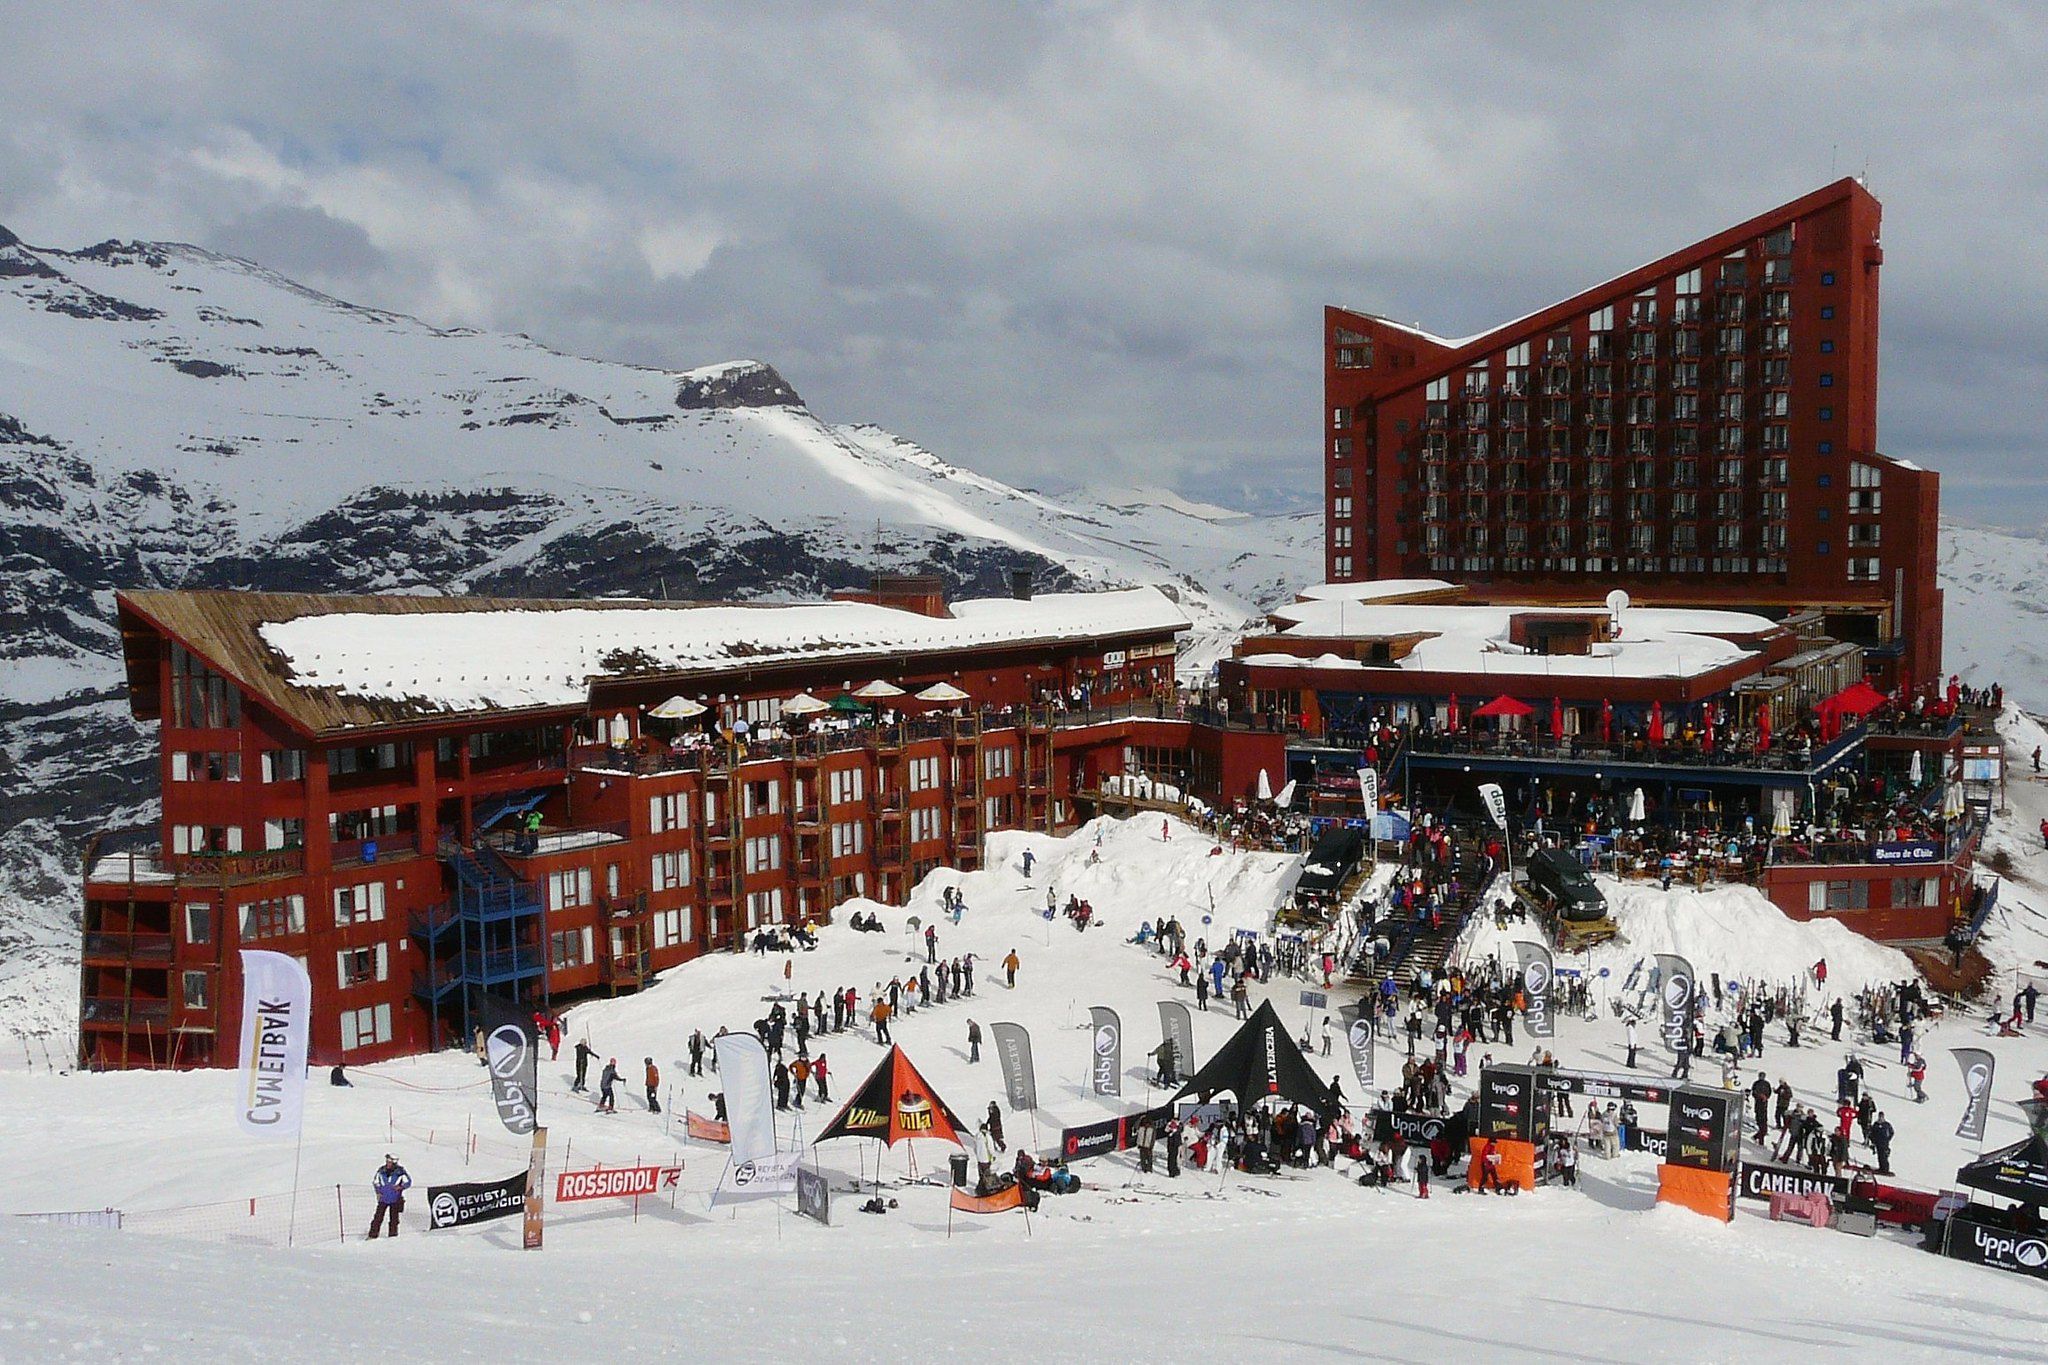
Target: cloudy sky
1063 244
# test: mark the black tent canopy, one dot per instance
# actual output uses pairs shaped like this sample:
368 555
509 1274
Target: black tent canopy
2017 1172
1260 1062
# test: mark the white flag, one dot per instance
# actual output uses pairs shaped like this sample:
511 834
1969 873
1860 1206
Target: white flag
277 1021
749 1106
1496 803
1369 789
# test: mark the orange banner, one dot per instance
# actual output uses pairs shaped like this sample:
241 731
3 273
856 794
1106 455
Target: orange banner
701 1129
1002 1201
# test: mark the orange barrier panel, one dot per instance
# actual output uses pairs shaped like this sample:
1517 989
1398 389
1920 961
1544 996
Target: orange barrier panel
1517 1163
1708 1192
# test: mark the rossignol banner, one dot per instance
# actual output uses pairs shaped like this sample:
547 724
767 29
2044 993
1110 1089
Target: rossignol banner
1978 1067
1760 1180
1675 987
277 1002
614 1182
458 1206
1177 1026
1105 1051
1496 802
1358 1035
766 1178
1369 790
1013 1050
1537 1016
512 1055
749 1104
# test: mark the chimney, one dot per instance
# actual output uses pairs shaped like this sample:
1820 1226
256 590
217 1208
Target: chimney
1020 584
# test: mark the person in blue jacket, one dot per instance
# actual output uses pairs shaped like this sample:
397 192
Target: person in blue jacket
1216 973
390 1182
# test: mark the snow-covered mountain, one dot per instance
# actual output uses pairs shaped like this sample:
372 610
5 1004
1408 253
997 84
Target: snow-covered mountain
1995 618
172 416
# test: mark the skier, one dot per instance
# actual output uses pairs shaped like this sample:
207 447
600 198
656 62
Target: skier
653 1087
1630 1027
1835 1015
995 1126
1173 1140
878 1014
1916 1076
607 1102
973 1041
931 943
390 1182
1881 1143
781 1085
818 1076
697 1052
1489 1166
1760 1094
1010 965
584 1052
1027 864
1147 1136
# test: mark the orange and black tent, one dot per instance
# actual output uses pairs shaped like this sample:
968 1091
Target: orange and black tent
894 1104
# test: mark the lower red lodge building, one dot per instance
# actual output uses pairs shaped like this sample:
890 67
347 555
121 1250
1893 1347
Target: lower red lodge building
356 781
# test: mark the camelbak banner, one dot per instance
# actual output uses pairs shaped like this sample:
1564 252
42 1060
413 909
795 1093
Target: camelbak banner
1178 1027
1675 987
1978 1068
1358 1035
1013 1049
1537 1016
277 1002
1105 1051
512 1054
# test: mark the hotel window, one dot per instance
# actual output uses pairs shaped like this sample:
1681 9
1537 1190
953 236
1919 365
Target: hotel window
671 927
1827 313
1341 537
570 887
365 1027
195 990
849 838
358 904
289 832
1727 537
1357 357
1341 566
848 785
274 918
570 948
1827 381
1731 340
1600 506
1339 418
1865 502
764 853
284 765
1598 539
761 798
764 907
1340 507
999 761
1642 538
924 825
1341 446
1864 570
669 871
1727 505
1863 533
665 813
199 923
362 966
1684 539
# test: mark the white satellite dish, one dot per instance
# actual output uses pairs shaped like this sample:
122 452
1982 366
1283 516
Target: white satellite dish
1617 603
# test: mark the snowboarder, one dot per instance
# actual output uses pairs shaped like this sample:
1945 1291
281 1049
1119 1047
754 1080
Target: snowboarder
584 1052
1027 864
390 1182
653 1087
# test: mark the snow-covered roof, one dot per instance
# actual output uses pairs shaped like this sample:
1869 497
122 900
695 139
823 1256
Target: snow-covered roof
1655 642
1377 590
335 663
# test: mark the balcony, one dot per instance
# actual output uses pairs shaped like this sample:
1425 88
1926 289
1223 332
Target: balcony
234 867
404 843
137 867
126 948
809 816
130 1013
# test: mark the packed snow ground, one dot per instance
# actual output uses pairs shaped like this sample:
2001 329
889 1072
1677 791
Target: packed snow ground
1315 1267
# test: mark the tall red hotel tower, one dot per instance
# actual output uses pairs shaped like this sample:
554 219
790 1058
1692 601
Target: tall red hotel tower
1701 430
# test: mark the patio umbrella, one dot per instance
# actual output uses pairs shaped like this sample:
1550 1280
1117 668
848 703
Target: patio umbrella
1913 768
1606 721
1557 718
677 708
1503 706
1709 728
1286 796
847 704
622 733
1638 810
878 691
1656 722
1451 714
1265 789
804 704
1763 729
943 693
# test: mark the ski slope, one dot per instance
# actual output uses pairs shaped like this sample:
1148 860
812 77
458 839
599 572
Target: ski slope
1312 1267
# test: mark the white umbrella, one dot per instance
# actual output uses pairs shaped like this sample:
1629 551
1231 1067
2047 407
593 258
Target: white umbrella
1913 768
677 708
1782 801
878 690
1951 801
942 692
804 704
622 733
1638 810
1265 791
1286 796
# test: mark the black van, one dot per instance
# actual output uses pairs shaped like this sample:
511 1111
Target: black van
1569 898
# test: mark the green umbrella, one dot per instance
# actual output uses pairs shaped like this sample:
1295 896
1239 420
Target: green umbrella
848 704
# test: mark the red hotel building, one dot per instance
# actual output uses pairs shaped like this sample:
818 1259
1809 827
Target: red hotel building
1700 431
344 779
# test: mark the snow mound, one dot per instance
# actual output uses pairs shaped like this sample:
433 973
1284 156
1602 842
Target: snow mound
1734 932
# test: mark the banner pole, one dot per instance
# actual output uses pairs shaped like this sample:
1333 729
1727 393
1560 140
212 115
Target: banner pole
292 1217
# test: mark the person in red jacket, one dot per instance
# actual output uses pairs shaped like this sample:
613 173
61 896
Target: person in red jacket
1489 1166
1845 1117
818 1075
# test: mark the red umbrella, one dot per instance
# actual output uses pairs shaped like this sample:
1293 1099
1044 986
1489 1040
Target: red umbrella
1451 714
1656 722
1763 730
1556 718
1606 721
1710 727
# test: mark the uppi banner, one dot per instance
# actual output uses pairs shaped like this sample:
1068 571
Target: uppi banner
1106 1051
